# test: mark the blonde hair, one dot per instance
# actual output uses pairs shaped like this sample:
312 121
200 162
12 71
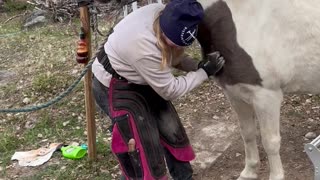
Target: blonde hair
169 53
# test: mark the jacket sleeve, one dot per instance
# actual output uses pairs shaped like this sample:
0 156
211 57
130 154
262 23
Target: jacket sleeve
164 82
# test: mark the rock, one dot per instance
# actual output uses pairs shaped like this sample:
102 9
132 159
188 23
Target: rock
36 18
26 101
29 124
311 135
65 123
35 14
35 21
75 71
105 140
215 117
104 171
310 120
74 144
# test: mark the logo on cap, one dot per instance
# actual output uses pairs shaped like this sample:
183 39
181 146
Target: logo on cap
187 37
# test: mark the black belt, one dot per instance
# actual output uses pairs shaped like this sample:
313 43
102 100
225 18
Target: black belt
104 60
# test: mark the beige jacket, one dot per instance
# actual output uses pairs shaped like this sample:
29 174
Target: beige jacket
134 55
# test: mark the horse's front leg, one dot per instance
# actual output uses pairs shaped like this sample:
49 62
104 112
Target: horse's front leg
248 132
267 105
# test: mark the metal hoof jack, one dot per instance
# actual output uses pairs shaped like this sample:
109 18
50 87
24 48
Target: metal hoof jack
313 152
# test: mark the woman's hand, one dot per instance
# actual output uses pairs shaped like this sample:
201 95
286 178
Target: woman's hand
212 64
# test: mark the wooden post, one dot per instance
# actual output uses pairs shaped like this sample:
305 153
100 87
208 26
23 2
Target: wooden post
89 101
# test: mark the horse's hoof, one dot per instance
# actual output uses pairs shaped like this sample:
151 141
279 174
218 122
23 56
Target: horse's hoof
252 177
276 178
242 178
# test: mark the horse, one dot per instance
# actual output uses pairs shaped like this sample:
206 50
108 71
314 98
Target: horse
271 47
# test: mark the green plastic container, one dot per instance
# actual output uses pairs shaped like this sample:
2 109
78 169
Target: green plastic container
73 152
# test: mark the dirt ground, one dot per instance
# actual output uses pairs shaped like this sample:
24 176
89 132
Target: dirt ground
299 115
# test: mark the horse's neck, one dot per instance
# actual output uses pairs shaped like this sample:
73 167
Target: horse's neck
218 32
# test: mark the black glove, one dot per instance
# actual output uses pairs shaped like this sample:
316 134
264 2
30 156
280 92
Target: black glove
212 64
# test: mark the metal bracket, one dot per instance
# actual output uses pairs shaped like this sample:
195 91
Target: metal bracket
82 3
314 154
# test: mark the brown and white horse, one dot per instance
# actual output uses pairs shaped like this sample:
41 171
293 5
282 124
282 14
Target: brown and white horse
271 47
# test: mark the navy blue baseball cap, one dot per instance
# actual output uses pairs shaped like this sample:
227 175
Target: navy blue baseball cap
179 21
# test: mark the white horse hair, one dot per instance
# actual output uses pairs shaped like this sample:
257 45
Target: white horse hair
271 47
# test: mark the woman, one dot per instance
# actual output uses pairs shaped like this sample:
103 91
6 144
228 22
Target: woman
133 84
